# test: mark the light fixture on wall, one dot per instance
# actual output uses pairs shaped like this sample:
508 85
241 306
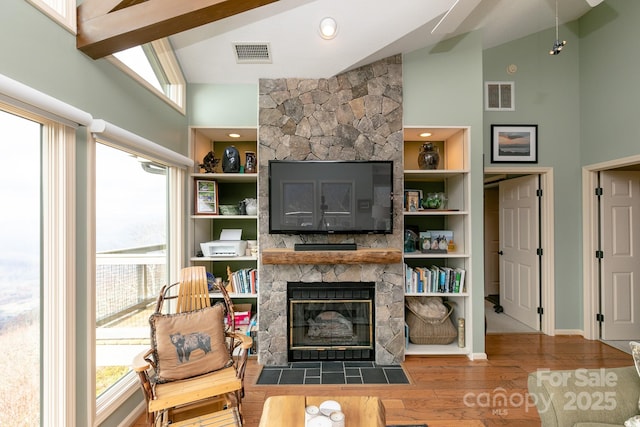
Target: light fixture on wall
558 44
328 28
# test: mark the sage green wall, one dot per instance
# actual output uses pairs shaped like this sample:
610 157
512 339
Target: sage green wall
547 93
610 82
443 87
223 105
41 54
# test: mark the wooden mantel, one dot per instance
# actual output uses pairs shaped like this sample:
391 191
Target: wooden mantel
284 256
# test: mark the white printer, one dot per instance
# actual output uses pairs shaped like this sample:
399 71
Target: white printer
229 244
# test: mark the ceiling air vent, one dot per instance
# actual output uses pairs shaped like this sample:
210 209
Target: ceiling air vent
252 53
499 96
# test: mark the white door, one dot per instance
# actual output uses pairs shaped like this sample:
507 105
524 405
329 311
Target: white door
620 234
519 261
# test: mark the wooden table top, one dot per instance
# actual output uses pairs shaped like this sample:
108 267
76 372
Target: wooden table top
359 411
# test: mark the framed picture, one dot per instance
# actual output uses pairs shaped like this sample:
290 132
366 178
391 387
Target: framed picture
412 199
514 143
206 197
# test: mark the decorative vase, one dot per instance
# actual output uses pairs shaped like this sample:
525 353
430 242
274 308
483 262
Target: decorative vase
250 162
231 160
428 157
251 206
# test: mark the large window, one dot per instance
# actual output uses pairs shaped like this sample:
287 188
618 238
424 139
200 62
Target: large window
131 257
20 261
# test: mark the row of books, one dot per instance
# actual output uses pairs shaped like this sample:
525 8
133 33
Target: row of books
434 279
244 281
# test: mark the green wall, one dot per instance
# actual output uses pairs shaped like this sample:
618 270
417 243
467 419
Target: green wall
547 93
443 87
223 105
610 82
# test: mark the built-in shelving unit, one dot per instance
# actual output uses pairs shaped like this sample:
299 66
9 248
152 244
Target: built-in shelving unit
231 189
452 177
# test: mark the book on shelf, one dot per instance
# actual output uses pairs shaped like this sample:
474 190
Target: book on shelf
244 281
434 279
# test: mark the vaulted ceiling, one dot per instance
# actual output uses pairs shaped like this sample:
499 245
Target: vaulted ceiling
205 33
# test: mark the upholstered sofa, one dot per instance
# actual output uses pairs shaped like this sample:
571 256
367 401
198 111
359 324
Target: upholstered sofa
585 397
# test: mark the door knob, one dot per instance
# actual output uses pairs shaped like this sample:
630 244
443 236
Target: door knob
500 253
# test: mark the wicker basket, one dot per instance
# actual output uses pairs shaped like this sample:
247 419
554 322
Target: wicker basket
430 331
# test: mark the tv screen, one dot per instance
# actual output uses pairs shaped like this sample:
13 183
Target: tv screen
330 197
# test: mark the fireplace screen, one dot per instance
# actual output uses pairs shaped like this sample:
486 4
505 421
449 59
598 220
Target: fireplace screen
331 321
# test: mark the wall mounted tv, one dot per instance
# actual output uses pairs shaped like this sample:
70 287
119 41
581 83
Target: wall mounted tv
330 197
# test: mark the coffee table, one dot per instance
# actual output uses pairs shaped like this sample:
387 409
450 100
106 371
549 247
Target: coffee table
359 411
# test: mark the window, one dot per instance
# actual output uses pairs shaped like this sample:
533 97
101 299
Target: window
139 227
499 96
20 262
37 268
131 257
62 11
155 66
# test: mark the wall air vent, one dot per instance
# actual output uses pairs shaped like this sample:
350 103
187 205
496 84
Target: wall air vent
252 53
499 96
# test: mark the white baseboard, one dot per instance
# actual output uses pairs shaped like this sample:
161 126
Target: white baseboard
478 356
569 332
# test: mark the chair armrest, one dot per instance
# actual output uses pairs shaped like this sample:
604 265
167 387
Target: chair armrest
564 398
141 361
245 341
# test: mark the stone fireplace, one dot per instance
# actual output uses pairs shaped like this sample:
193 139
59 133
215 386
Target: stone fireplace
330 321
353 116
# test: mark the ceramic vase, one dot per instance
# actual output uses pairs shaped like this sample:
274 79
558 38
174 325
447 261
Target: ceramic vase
428 157
250 162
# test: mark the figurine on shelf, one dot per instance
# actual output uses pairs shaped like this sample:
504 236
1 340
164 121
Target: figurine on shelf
209 162
231 160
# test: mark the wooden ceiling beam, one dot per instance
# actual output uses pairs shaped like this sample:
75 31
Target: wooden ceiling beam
109 26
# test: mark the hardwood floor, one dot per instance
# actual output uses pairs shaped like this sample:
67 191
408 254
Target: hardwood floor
454 391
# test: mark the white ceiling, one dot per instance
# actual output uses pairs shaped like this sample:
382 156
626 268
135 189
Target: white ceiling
368 30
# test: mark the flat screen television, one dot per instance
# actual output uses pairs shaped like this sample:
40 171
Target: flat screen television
324 197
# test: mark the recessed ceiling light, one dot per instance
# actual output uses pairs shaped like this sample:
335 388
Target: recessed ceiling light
234 135
425 134
328 28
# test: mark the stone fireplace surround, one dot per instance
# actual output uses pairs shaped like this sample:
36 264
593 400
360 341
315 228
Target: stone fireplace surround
353 116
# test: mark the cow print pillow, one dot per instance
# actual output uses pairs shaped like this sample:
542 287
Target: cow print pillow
189 344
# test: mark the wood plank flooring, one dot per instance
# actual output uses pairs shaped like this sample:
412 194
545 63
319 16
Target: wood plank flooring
454 391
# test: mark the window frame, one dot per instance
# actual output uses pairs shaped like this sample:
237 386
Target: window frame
58 260
162 58
113 398
63 12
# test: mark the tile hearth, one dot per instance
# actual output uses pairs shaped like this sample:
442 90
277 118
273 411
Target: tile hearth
332 373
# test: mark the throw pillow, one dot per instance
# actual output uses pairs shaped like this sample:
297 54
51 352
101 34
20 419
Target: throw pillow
189 344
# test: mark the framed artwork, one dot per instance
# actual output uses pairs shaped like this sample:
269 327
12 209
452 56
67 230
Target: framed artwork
412 200
206 197
514 143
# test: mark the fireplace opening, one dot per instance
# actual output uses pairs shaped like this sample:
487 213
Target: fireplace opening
330 321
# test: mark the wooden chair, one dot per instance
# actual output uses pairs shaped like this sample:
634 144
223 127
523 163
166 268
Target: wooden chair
191 398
